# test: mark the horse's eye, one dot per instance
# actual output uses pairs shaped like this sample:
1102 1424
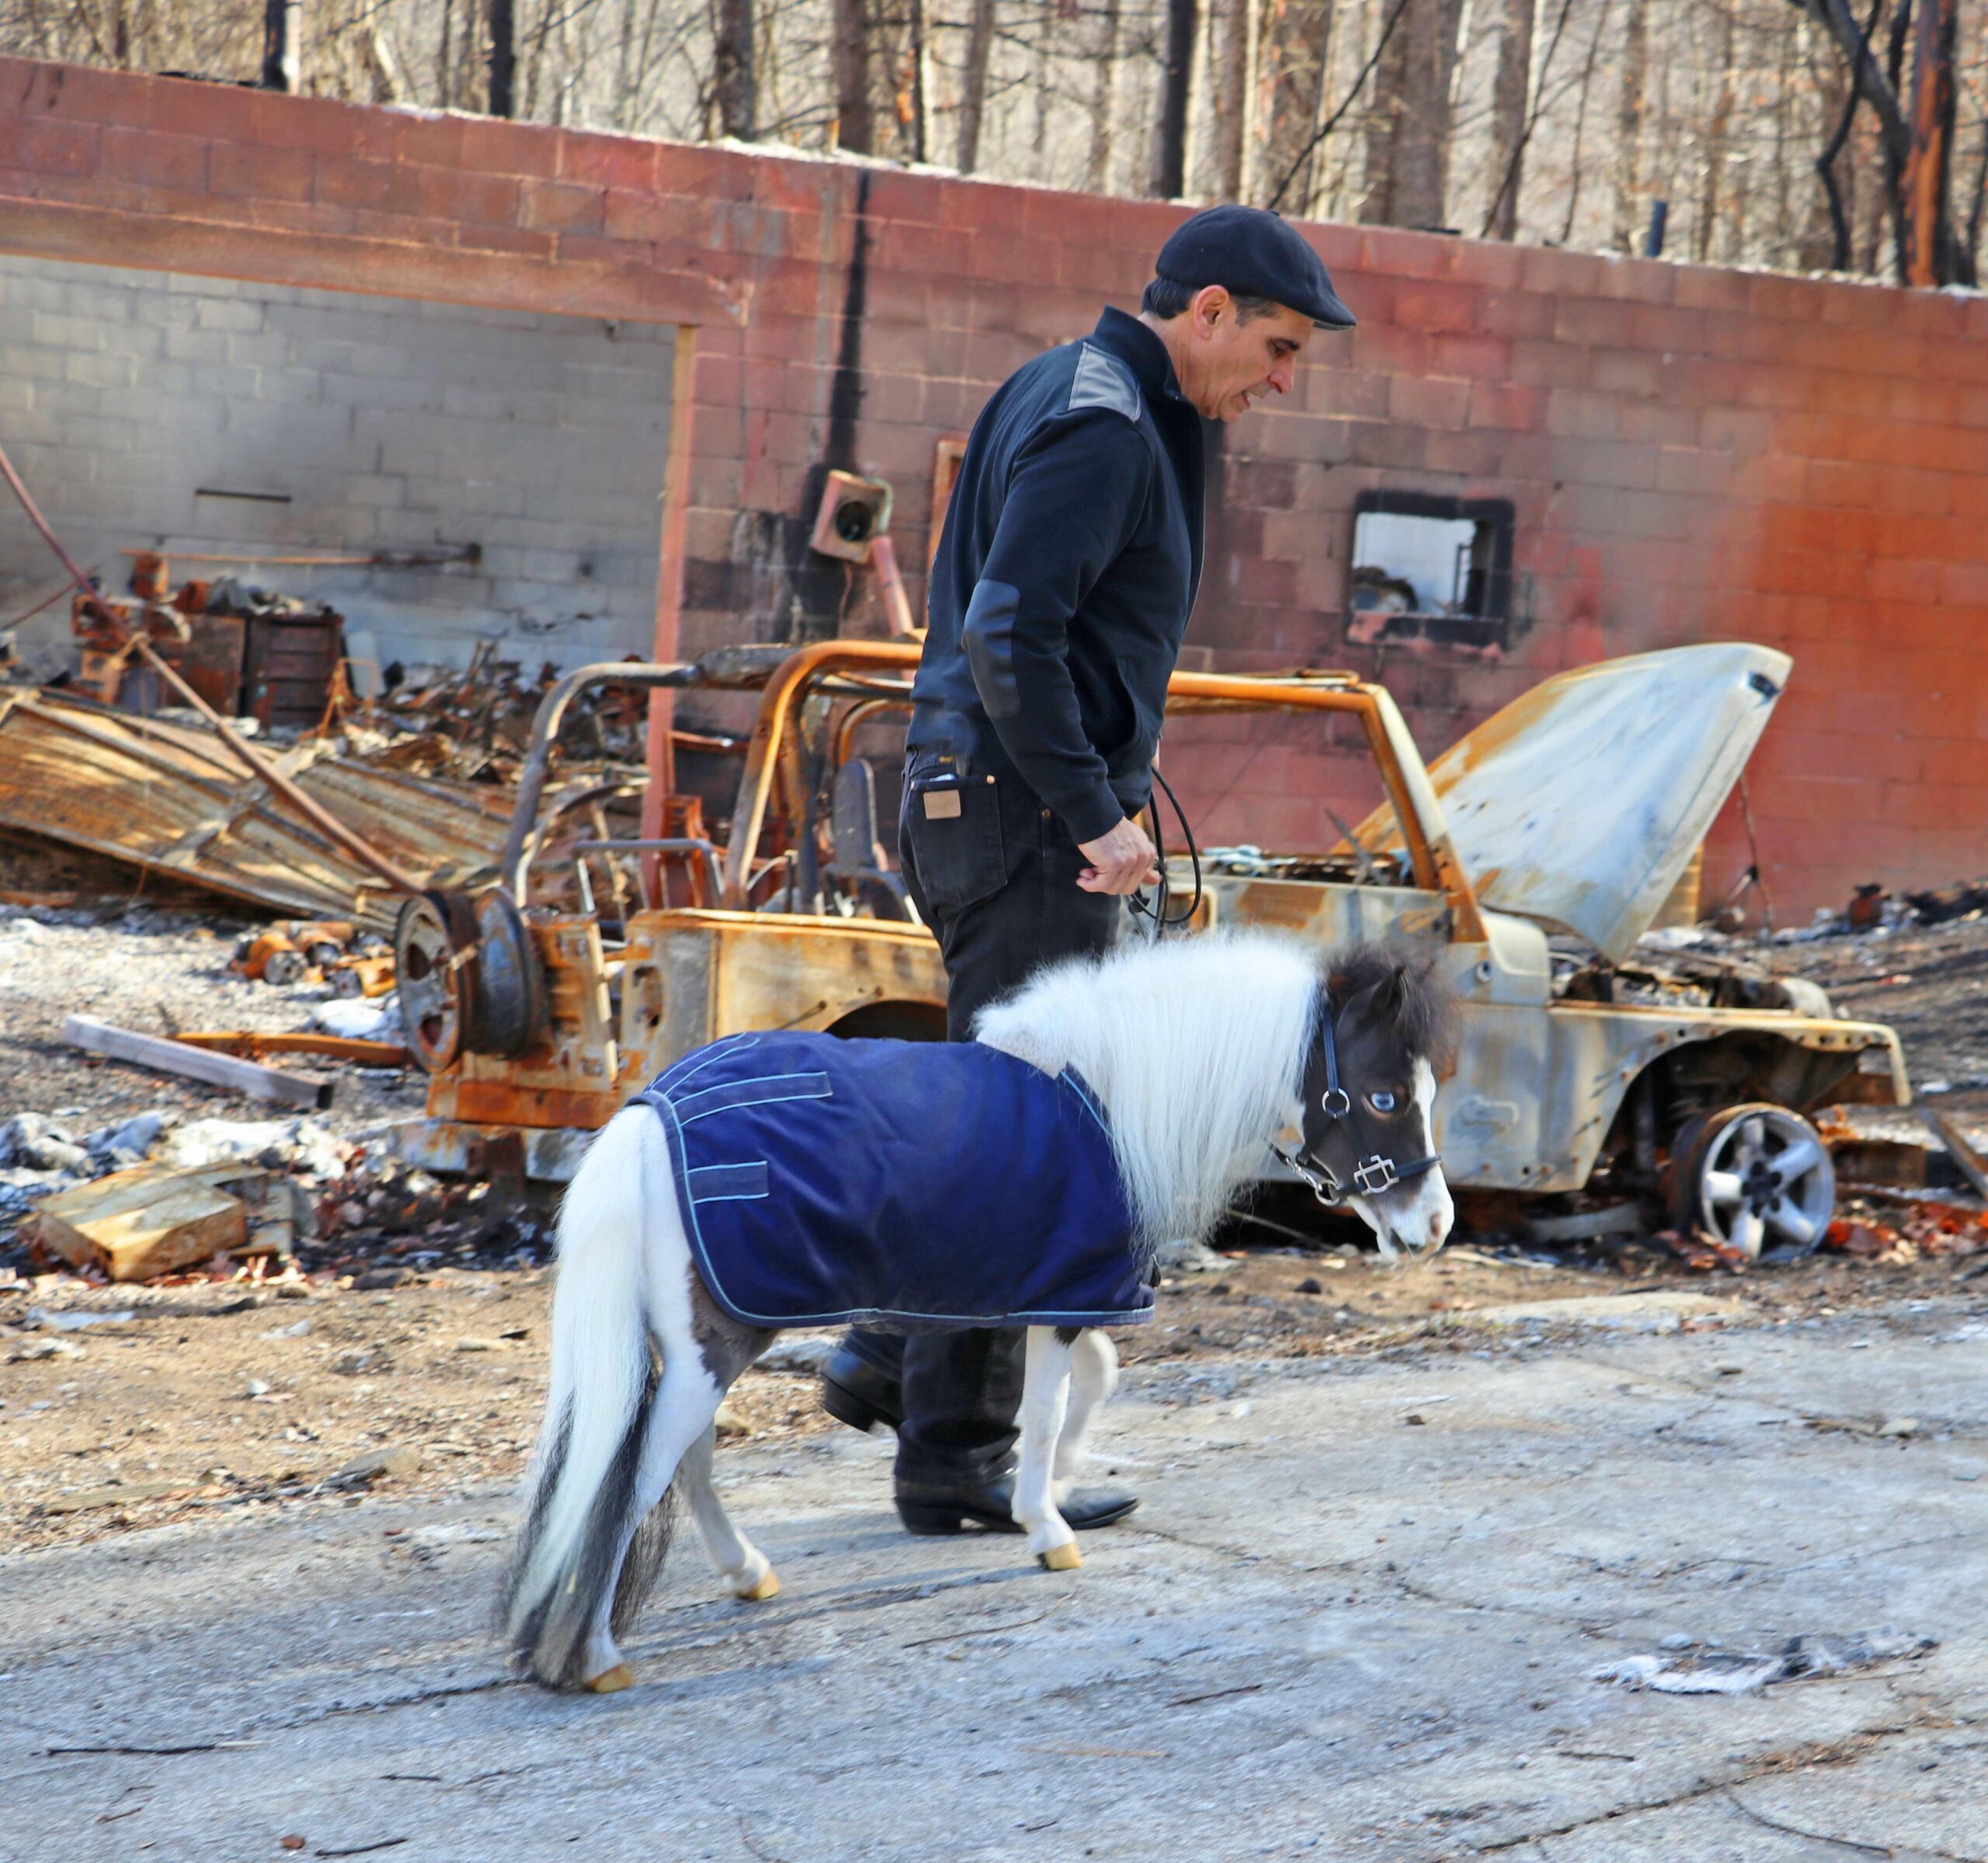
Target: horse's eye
1382 1102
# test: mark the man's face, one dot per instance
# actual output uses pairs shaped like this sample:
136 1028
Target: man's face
1228 365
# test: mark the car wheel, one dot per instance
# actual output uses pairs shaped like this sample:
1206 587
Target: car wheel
1755 1177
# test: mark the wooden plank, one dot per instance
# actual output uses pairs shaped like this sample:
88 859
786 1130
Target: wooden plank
249 1077
147 1221
1973 1166
253 1046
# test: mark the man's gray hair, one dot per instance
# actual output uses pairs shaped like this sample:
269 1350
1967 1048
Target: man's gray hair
1166 298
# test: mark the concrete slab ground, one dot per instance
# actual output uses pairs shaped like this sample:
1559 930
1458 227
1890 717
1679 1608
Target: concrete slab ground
1356 1617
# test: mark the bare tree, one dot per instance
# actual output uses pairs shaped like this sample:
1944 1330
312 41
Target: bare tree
733 77
1103 103
1916 147
1628 217
1295 54
973 84
1168 175
503 58
1712 167
855 128
1408 133
282 45
1231 56
1509 91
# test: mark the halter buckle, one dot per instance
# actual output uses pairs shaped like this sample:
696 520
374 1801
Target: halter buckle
1375 1176
1324 1186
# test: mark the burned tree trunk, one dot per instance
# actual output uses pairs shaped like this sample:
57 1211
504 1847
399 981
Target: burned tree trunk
1932 254
1510 88
855 129
282 45
1103 100
1408 133
503 59
1916 142
1229 51
1629 128
737 101
1169 174
1296 41
973 83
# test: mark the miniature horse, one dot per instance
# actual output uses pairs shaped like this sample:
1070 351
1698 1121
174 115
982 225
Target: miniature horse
1197 1055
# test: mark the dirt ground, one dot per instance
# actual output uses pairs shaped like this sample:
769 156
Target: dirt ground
231 1398
247 1403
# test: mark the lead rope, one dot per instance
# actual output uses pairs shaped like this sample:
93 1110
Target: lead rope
1157 912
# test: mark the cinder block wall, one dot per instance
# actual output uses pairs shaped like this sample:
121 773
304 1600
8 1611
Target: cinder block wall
1691 454
210 415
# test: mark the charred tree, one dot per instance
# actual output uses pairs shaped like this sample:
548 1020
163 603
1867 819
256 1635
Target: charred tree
1104 103
855 123
503 59
973 84
1914 135
282 45
1296 46
1408 130
1629 105
1229 51
1169 173
733 73
1510 88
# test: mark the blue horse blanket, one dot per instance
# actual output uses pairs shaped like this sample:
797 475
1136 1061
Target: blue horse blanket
897 1184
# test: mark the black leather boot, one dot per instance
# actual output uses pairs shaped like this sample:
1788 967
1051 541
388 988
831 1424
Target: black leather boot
932 1509
856 1393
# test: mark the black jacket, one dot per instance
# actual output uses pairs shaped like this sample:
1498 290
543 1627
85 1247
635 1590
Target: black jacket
1069 564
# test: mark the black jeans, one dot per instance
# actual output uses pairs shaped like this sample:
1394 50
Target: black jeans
994 875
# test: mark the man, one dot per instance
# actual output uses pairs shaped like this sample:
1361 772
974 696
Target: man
1065 576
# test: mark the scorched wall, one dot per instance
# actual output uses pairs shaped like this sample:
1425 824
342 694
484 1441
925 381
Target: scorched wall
1688 454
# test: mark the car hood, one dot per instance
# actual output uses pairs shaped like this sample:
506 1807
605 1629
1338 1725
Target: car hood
1580 804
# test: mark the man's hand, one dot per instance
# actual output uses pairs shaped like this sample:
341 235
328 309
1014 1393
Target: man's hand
1122 861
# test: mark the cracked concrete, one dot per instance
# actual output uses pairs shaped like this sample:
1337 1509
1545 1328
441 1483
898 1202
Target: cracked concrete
1329 1632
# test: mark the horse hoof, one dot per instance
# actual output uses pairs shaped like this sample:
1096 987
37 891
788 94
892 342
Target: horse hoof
1062 1558
768 1587
611 1682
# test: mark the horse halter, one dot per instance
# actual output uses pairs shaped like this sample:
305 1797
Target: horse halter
1371 1176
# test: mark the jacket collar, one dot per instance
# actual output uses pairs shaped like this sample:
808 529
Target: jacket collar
1140 350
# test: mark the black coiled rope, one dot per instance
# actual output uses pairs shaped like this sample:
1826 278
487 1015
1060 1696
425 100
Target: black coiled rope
1156 910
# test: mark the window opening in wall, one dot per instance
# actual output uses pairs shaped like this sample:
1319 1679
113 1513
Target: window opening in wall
1426 567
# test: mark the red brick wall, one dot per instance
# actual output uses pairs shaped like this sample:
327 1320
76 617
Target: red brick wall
1690 453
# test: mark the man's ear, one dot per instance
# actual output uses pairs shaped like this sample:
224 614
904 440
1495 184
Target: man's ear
1210 301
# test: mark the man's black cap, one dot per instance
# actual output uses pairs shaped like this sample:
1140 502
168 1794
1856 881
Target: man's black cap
1254 250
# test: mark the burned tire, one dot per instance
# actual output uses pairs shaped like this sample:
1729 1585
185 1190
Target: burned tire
1756 1177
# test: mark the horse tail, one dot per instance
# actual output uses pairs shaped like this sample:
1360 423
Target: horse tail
607 1369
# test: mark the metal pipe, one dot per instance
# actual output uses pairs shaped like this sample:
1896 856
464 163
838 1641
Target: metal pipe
513 863
858 714
795 672
1433 855
662 844
327 824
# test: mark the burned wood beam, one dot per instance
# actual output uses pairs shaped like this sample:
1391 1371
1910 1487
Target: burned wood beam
309 1090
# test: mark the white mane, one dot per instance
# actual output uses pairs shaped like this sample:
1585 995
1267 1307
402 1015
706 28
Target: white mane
1195 1046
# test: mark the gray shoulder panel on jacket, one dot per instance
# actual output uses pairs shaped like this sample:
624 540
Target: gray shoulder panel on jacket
1103 381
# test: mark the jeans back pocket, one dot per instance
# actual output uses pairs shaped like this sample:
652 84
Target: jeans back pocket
952 828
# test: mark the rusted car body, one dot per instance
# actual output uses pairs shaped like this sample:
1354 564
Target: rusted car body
1530 860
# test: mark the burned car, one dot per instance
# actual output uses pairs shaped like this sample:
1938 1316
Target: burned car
1532 859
